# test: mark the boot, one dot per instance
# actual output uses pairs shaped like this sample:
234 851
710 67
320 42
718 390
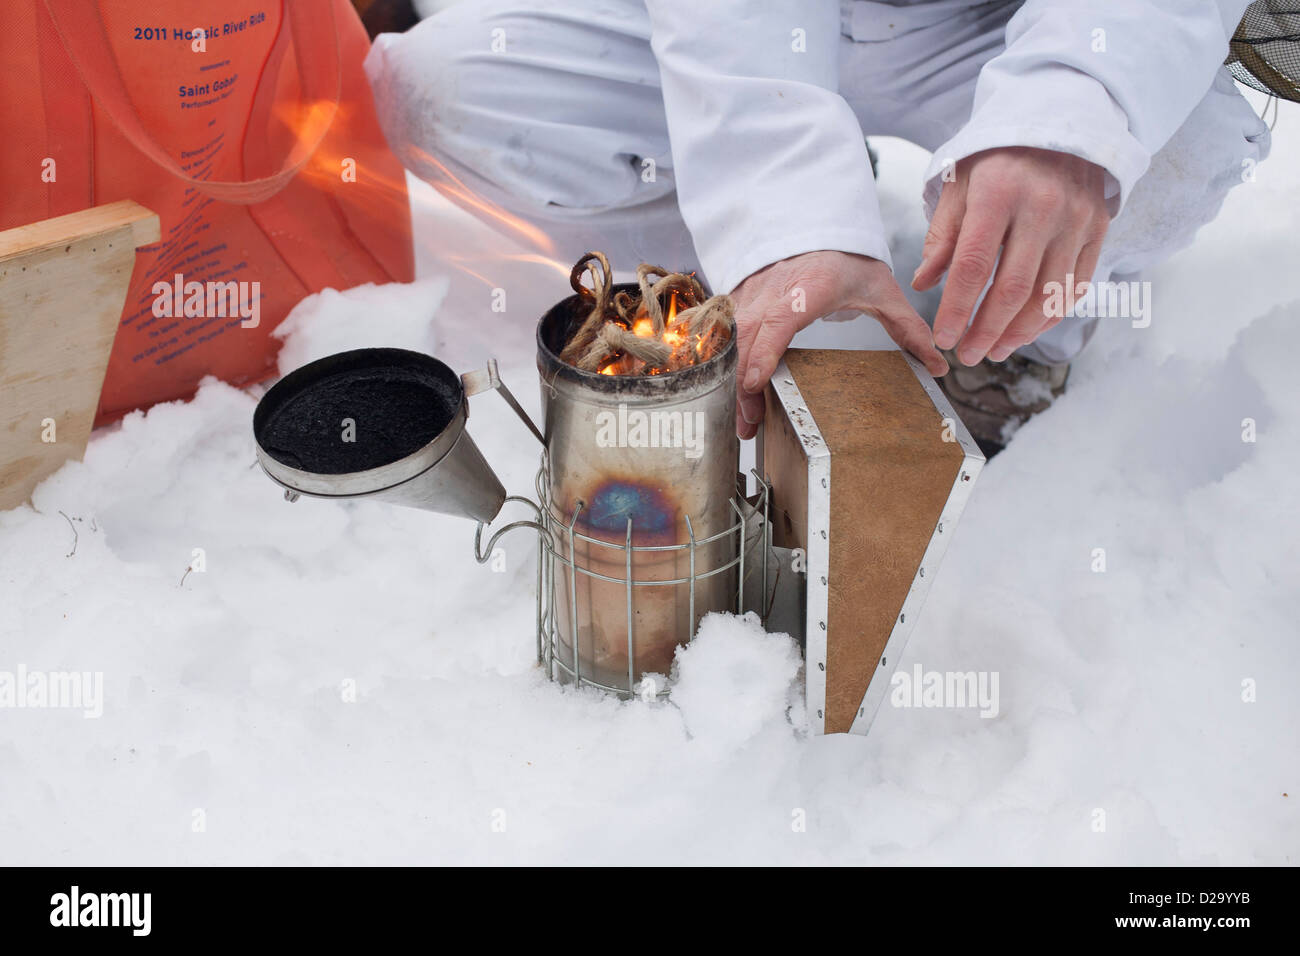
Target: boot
995 398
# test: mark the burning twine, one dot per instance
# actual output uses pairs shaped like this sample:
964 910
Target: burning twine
608 332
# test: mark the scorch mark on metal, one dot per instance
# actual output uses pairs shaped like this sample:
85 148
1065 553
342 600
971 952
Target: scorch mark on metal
614 500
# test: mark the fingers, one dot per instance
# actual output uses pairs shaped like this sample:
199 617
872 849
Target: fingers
907 329
1086 267
1072 260
769 341
1014 286
746 406
1033 318
941 239
973 258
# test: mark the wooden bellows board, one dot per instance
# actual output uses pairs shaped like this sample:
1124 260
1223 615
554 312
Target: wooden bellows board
62 284
870 469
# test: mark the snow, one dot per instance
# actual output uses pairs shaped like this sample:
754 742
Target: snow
343 683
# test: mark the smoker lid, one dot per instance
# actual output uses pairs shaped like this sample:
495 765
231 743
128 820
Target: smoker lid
408 410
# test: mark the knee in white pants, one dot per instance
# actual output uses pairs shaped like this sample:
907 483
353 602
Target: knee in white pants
416 79
542 107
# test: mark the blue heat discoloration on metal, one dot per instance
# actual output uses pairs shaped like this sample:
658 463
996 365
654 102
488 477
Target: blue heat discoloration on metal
613 502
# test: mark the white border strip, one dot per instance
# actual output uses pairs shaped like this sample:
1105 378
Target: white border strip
819 548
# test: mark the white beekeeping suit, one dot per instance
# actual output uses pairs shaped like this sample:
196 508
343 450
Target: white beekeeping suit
753 114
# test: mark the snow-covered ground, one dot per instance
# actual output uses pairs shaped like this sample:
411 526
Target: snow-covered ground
343 683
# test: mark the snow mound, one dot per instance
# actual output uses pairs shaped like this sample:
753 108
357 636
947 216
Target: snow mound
735 682
329 682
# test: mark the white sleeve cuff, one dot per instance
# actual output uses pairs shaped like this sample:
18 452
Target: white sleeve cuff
755 257
768 158
1059 109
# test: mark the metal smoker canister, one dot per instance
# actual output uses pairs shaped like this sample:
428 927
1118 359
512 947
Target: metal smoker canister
602 471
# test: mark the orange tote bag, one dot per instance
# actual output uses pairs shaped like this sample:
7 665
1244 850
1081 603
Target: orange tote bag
248 127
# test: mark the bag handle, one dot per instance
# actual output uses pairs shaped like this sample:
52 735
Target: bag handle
88 47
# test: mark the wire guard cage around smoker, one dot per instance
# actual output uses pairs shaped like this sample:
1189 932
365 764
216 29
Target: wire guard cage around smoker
750 557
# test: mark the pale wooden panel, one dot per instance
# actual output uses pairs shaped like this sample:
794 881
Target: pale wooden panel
62 285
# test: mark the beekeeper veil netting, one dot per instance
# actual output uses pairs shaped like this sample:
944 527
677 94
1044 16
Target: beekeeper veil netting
1265 50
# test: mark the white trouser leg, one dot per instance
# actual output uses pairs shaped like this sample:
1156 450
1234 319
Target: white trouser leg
547 110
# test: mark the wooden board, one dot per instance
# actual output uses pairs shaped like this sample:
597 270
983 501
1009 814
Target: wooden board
62 285
893 468
786 467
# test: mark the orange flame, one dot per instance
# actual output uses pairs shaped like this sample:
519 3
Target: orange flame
306 123
676 336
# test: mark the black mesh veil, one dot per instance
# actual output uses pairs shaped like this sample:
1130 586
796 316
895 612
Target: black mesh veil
1265 50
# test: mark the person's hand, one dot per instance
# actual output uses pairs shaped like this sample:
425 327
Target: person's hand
1046 212
779 300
